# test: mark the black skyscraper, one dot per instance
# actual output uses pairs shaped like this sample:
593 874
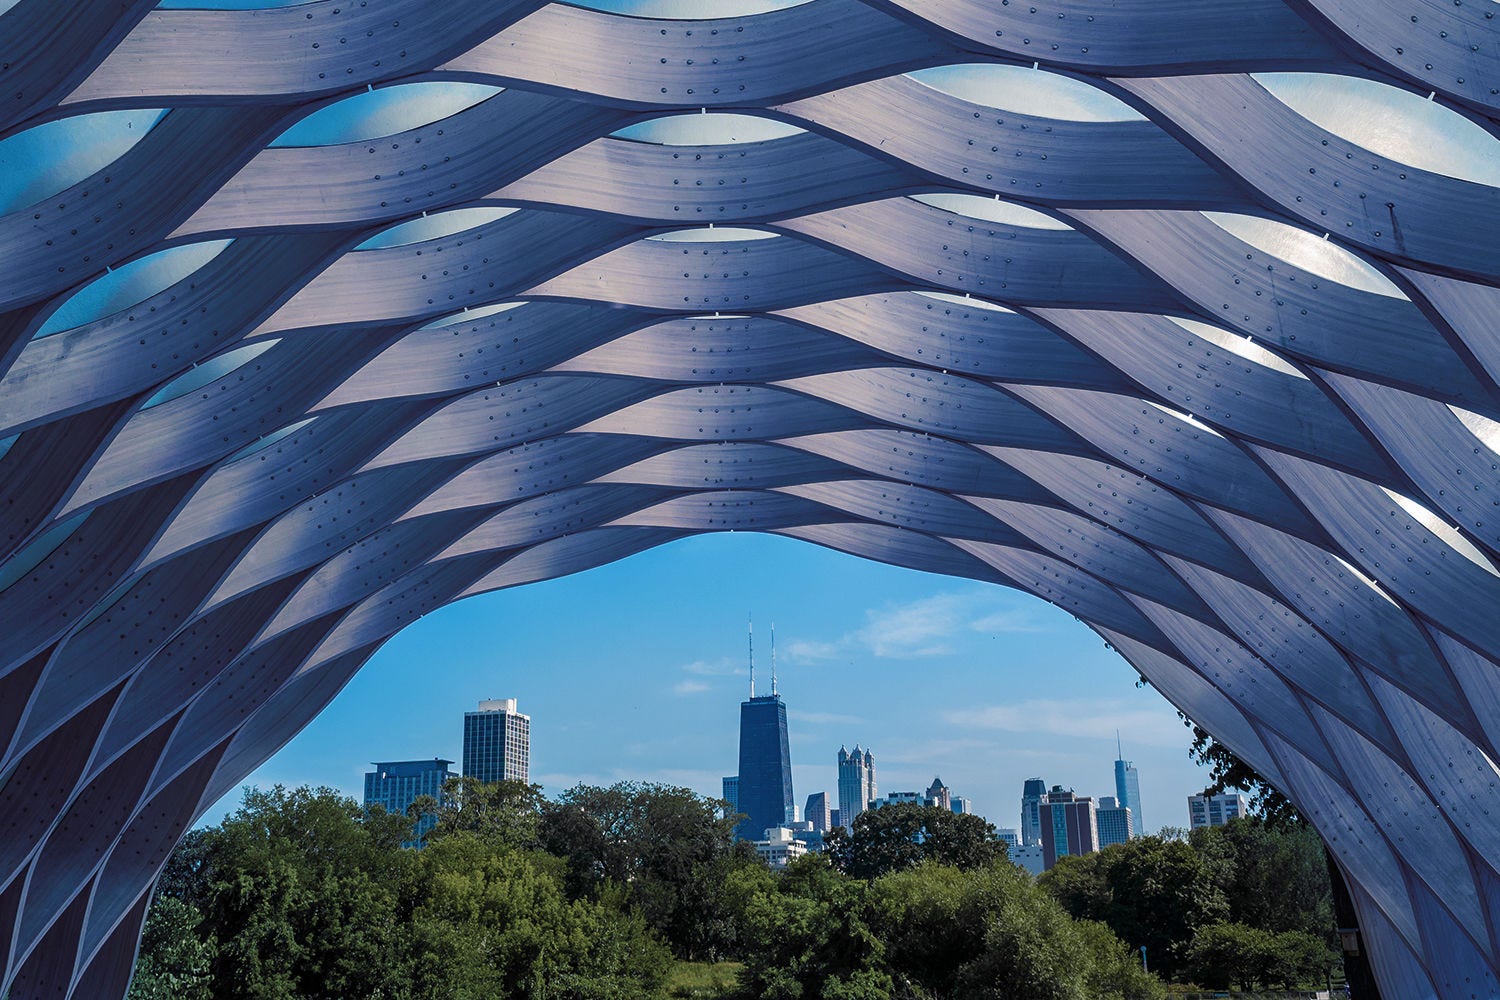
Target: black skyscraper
765 767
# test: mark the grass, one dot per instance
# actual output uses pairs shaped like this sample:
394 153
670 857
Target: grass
703 980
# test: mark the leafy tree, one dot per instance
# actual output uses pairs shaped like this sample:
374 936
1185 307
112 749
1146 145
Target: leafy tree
805 934
904 835
175 963
1298 959
671 849
1149 891
1229 955
992 933
500 925
1274 877
507 814
1229 771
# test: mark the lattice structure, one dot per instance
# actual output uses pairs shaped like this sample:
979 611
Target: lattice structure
1258 460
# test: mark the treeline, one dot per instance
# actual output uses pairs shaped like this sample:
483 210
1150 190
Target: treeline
1244 905
606 892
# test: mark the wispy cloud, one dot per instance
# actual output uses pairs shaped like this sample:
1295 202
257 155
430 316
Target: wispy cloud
1076 718
722 667
1009 620
824 718
928 627
811 650
698 669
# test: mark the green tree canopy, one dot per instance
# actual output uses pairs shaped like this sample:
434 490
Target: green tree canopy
906 834
1149 891
1275 877
507 814
669 848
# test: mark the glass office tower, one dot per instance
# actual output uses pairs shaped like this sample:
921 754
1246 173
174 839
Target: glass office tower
1128 792
765 788
1115 823
497 742
1032 794
395 784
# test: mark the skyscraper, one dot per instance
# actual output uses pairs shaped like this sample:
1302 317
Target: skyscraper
1128 788
1032 794
765 786
939 795
1069 825
1215 810
856 783
497 742
394 784
732 793
1116 824
818 813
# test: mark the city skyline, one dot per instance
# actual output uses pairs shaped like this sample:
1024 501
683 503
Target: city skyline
650 690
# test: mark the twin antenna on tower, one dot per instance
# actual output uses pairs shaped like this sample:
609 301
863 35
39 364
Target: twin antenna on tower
750 633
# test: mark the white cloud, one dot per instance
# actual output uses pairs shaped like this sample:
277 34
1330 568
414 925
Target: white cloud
810 650
722 667
1082 718
928 627
922 628
1012 620
824 718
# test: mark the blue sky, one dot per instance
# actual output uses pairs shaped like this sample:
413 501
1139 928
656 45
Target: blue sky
635 670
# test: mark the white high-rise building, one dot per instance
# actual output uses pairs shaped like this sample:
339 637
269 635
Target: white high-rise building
1215 810
780 847
497 742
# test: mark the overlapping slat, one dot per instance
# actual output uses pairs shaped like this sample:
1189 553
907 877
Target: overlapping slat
997 343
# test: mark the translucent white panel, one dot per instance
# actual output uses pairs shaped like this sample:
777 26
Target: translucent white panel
123 287
1392 122
468 315
712 129
964 300
6 5
383 112
432 227
1186 418
209 371
1442 529
991 210
687 10
270 439
1306 250
720 234
1028 92
1238 344
1482 427
43 161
